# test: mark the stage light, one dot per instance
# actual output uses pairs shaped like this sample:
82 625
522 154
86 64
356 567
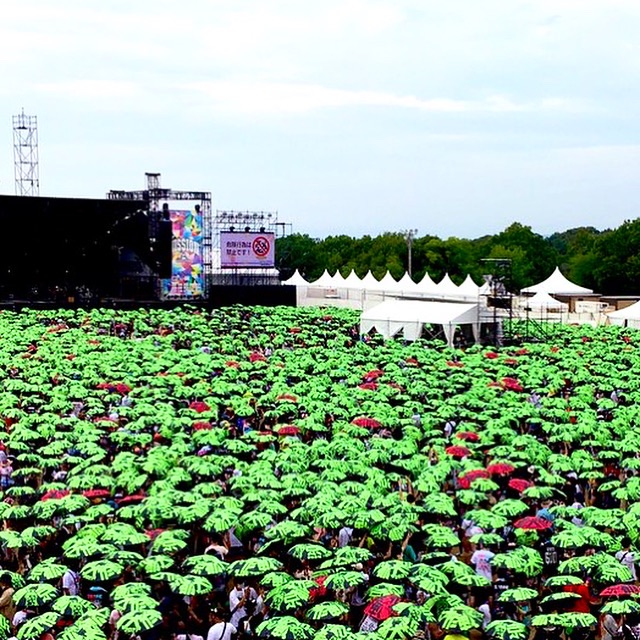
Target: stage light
247 229
232 228
262 229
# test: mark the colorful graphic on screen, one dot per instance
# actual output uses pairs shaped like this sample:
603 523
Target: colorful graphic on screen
187 274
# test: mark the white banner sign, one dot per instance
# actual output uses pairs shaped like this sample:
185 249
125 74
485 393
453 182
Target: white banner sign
247 250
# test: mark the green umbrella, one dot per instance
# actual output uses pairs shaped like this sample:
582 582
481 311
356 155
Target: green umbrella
327 611
291 595
254 567
334 632
345 580
35 595
305 551
156 563
101 571
460 618
561 581
570 538
562 597
138 621
5 628
392 570
192 585
135 603
518 594
168 542
510 508
612 573
73 606
401 628
32 629
352 555
546 620
507 630
440 537
620 607
84 632
47 570
131 589
384 589
205 565
487 539
284 628
576 619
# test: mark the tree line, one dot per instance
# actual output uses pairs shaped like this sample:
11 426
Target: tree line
606 261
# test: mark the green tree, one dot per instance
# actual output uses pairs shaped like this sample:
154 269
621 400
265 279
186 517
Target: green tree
298 251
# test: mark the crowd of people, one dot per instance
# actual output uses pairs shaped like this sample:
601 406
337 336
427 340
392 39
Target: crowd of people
252 472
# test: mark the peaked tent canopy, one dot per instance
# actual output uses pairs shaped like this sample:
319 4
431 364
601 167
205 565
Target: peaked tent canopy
325 280
297 279
409 316
628 317
469 287
427 285
556 283
447 286
542 301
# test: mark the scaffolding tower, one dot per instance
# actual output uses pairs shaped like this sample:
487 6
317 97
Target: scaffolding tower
25 155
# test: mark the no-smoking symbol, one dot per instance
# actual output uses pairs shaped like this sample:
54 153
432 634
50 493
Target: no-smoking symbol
261 247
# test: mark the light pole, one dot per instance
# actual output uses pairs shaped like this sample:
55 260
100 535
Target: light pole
409 236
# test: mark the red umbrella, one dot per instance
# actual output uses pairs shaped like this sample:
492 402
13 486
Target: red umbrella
382 608
474 474
469 436
373 374
319 591
455 363
533 523
287 397
620 590
137 497
368 386
492 355
199 407
457 451
511 384
257 357
200 426
370 423
519 484
55 494
288 430
232 363
465 480
96 493
500 469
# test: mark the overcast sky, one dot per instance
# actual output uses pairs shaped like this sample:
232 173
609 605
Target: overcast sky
345 116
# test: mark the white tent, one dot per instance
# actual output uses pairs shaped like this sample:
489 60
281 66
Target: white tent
296 280
369 282
388 283
352 281
325 280
448 287
406 284
469 288
556 283
427 285
628 317
409 316
542 301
